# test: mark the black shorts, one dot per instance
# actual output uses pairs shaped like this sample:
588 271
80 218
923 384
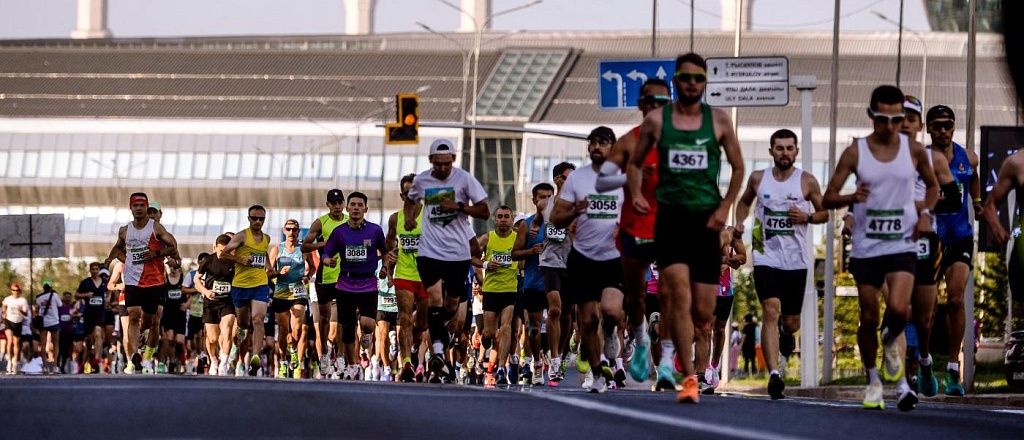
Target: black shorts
92 319
928 250
452 275
497 301
388 317
311 334
269 325
149 298
14 327
872 271
193 326
109 318
352 305
683 237
326 293
723 307
279 305
640 249
960 251
554 278
173 320
217 309
535 301
589 278
786 285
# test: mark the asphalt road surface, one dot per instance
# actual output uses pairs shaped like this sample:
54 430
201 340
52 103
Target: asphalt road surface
170 407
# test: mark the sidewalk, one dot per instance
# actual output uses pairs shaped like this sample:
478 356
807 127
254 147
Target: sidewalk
856 393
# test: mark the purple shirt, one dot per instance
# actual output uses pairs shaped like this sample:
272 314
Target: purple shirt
357 250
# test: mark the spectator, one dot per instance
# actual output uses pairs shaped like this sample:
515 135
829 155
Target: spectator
47 306
15 310
749 345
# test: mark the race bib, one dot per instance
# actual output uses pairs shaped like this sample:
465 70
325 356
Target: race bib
778 223
409 242
298 290
503 259
885 224
554 234
924 249
135 254
259 260
388 300
221 287
65 318
603 206
432 204
355 254
96 301
687 160
174 294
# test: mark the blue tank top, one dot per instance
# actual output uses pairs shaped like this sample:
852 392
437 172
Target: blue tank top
293 259
533 279
956 226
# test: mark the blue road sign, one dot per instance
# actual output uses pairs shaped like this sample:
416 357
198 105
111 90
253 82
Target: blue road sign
619 81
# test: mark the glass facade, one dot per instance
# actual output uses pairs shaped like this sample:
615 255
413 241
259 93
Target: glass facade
952 15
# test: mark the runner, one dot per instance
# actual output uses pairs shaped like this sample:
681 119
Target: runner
555 252
886 227
386 333
636 230
93 291
529 247
142 245
213 281
450 196
1011 178
403 245
788 200
172 356
956 233
324 310
250 292
594 264
712 340
289 265
15 310
194 341
359 245
499 293
690 138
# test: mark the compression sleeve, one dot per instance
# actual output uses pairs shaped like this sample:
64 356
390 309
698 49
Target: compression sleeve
609 178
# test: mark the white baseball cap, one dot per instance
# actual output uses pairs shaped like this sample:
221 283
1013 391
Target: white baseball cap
442 146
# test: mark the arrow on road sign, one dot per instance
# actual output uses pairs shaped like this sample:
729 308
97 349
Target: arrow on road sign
636 76
661 73
609 76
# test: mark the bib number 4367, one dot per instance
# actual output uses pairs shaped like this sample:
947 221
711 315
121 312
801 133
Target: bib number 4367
688 160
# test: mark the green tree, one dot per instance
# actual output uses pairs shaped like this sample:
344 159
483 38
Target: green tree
64 274
9 276
745 299
990 286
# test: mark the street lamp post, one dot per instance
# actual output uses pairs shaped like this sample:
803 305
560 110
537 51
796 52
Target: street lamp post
924 51
465 67
480 27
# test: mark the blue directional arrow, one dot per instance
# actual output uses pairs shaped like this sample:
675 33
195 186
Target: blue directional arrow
619 81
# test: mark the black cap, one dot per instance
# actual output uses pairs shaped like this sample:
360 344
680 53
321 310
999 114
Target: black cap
602 132
335 195
940 111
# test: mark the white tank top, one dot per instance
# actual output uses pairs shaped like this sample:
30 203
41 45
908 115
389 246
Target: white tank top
884 223
137 272
778 243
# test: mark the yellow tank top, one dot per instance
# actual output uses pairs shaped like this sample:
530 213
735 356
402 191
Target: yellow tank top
499 250
408 247
327 225
255 275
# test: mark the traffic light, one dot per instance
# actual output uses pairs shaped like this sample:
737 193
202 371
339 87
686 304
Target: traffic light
406 130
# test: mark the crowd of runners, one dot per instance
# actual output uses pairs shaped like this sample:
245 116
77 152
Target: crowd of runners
622 266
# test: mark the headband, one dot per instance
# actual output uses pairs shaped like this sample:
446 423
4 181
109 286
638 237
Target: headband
138 198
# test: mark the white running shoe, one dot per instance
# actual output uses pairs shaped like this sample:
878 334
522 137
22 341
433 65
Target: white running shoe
393 344
873 396
611 344
385 376
711 374
214 368
538 374
588 380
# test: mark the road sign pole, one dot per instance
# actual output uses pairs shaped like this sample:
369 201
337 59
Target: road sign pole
809 314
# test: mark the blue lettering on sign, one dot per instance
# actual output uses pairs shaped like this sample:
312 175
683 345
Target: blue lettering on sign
619 81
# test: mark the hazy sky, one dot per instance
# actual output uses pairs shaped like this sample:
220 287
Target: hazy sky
165 18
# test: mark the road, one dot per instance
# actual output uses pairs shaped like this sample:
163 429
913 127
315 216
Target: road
86 407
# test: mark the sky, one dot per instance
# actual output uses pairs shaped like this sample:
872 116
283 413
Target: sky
27 19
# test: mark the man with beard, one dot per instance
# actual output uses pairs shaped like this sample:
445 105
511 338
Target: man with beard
690 138
788 199
594 264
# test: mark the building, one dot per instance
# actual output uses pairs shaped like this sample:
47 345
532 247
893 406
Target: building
952 15
209 126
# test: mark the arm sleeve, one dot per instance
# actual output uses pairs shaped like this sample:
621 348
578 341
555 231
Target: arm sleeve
610 178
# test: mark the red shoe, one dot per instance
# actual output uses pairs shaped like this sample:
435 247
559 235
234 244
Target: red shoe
690 392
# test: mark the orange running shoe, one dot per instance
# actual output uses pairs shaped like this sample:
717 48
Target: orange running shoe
690 392
489 380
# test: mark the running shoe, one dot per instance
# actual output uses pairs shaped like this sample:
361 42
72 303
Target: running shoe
240 336
214 368
703 386
385 375
952 384
526 375
892 362
161 368
606 372
927 382
574 343
712 374
393 345
501 377
538 374
282 370
873 396
254 365
588 380
297 373
407 373
906 398
325 366
419 375
513 370
128 369
147 366
489 380
651 333
599 386
554 374
775 387
225 369
620 379
366 341
293 358
612 347
639 366
628 347
437 365
690 392
582 366
666 379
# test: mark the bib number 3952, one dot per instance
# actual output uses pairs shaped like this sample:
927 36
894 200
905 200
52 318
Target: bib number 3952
687 160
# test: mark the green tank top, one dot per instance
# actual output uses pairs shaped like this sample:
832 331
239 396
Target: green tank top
327 225
499 250
408 248
689 163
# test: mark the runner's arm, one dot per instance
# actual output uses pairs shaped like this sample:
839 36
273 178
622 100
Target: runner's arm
228 254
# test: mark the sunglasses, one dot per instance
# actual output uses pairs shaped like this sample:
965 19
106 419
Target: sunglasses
257 219
291 229
695 77
942 125
599 142
16 290
654 100
882 118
